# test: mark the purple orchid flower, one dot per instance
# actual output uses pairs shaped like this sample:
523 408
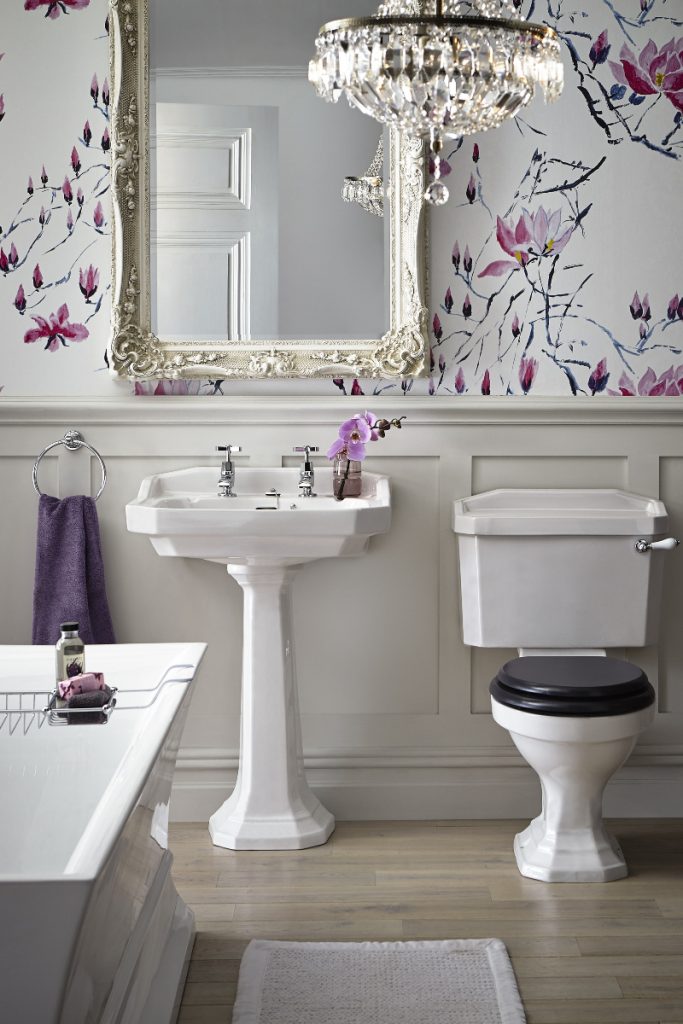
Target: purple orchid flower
353 436
654 70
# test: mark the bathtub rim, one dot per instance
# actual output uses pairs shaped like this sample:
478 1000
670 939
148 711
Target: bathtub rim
118 811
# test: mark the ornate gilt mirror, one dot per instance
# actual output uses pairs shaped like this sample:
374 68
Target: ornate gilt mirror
236 250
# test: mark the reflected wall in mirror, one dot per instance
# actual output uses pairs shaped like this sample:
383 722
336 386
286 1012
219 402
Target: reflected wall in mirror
233 250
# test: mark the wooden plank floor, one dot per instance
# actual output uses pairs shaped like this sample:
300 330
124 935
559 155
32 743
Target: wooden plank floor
583 954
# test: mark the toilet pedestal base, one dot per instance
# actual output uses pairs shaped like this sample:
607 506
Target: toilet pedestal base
574 759
579 855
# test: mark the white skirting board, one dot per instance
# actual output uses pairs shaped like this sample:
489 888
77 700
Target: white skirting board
440 794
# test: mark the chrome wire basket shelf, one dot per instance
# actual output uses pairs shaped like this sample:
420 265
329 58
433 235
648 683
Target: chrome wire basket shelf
20 710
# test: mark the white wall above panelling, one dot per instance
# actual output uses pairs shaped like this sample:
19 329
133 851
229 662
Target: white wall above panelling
394 706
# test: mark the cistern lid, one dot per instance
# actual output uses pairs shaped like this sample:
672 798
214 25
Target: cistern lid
559 511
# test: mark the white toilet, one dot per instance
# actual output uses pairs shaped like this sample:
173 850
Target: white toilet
562 575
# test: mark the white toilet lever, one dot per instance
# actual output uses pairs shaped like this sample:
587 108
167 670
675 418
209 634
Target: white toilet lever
657 545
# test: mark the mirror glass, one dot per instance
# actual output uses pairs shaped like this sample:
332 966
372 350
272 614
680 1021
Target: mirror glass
250 235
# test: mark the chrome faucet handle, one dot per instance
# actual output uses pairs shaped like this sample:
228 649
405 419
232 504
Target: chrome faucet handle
227 477
307 448
307 472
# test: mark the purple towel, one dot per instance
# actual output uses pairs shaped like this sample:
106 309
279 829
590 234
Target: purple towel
69 584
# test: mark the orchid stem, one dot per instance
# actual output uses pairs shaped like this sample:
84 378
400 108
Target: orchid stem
340 493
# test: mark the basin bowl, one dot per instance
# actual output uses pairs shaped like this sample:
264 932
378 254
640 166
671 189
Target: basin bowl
183 515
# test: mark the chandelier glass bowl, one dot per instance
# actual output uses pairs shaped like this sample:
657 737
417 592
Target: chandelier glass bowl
438 68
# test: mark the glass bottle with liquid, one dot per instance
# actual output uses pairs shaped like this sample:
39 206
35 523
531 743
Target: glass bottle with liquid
69 653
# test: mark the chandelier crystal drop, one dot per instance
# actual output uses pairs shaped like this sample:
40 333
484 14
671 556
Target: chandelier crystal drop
438 68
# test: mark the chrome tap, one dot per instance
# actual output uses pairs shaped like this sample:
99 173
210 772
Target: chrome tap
307 473
226 480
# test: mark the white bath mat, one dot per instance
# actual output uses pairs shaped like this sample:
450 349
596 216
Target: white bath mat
464 981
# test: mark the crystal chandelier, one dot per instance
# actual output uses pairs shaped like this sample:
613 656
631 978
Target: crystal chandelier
368 189
438 68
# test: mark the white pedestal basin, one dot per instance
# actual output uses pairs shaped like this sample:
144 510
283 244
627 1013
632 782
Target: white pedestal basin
262 536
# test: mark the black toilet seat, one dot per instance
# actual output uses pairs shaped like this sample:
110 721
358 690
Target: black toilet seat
567 686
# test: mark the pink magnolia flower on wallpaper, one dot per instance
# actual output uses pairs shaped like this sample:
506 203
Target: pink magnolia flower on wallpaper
654 70
88 281
56 7
527 373
168 387
534 235
57 329
460 386
486 383
98 216
2 106
437 327
650 385
597 381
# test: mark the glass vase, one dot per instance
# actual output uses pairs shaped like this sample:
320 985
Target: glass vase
346 478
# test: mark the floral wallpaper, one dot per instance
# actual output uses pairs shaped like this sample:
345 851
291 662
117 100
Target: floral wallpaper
555 269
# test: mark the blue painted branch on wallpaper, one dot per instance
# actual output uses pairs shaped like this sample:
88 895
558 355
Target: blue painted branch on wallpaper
555 269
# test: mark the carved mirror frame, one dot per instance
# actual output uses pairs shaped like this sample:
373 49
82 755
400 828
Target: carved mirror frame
136 352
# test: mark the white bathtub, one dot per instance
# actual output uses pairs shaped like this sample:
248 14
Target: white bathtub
92 930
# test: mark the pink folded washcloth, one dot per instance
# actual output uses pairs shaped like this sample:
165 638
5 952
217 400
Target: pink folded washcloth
85 683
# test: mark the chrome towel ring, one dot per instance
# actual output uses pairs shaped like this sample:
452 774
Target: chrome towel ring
73 440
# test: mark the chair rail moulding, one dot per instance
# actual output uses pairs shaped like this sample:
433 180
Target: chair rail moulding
136 352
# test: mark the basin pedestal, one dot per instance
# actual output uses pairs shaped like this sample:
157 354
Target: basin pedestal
271 807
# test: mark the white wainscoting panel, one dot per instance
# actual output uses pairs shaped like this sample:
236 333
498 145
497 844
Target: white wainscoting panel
395 711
